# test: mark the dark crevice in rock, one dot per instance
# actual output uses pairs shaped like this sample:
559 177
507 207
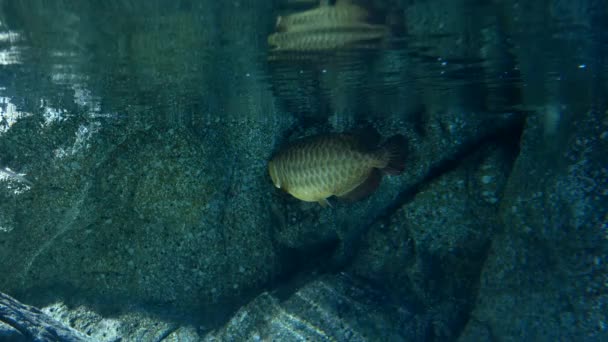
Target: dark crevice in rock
302 266
508 135
301 270
166 334
505 136
476 275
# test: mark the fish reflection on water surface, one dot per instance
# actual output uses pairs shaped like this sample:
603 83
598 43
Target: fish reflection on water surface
326 27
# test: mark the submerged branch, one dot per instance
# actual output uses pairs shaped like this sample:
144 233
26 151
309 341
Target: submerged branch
35 324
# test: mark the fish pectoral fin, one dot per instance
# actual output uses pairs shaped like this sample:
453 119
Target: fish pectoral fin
324 203
369 185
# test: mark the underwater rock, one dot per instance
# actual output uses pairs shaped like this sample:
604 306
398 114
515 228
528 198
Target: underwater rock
9 334
431 250
166 206
333 307
545 277
136 325
88 325
33 324
147 220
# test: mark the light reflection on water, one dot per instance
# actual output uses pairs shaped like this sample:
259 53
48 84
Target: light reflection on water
161 61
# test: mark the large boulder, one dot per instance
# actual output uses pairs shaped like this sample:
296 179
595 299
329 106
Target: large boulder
144 219
431 250
545 277
332 307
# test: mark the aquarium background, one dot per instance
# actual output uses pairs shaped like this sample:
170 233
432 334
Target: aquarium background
135 203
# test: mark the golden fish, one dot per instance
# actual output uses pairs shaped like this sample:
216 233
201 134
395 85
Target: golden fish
325 28
324 16
343 165
318 39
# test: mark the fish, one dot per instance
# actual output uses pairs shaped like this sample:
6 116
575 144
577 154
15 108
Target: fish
325 28
323 16
344 165
327 38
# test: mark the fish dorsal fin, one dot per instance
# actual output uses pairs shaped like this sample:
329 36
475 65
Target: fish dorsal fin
367 137
364 189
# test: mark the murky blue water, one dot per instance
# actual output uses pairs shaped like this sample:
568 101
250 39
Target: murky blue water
116 115
187 59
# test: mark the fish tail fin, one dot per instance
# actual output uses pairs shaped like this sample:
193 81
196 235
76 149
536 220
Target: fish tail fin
394 149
